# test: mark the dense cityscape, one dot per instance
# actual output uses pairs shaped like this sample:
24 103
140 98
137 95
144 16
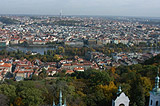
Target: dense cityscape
79 31
84 57
141 34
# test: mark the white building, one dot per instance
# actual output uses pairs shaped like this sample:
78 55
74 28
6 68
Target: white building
121 100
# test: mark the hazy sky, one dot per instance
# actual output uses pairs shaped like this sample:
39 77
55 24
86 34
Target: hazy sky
82 7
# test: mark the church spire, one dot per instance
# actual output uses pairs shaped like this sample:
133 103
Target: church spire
157 80
53 103
119 90
65 102
60 98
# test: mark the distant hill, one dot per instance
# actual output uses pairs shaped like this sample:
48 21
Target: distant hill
6 20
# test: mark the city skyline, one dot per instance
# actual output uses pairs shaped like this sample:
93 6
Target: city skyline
145 8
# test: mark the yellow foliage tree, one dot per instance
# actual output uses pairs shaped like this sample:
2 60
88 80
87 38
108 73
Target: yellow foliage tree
108 90
56 57
146 83
18 102
113 70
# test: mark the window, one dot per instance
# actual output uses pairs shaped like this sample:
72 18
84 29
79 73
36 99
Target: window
121 105
156 103
151 102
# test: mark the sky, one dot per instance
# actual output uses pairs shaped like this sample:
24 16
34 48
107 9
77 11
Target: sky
149 8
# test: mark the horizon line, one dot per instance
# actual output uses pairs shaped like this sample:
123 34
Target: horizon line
79 15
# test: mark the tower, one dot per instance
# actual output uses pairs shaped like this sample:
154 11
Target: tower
121 99
155 93
60 100
60 15
119 90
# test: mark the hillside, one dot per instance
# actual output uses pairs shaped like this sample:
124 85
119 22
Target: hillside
6 20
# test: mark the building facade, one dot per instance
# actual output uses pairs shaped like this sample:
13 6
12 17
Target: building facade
121 99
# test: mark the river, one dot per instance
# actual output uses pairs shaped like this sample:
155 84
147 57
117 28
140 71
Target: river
26 49
42 49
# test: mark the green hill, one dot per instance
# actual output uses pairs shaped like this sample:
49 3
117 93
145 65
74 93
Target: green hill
6 20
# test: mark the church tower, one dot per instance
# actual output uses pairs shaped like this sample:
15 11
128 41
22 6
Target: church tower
121 99
60 100
155 93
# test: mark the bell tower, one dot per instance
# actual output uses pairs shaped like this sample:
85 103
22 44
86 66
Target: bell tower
155 93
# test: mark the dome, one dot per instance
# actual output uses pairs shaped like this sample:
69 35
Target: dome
156 90
119 90
157 78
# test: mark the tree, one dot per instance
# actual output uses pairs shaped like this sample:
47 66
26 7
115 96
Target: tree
44 59
95 77
113 70
99 77
56 57
137 92
31 97
60 50
8 90
108 90
34 77
4 100
43 74
45 53
146 83
67 90
18 101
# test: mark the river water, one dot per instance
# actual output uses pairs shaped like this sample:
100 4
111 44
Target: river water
26 49
42 49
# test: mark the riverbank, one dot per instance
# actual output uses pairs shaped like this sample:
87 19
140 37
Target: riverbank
42 48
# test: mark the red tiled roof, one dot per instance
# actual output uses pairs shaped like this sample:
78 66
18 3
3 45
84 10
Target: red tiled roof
69 71
24 72
6 65
66 64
